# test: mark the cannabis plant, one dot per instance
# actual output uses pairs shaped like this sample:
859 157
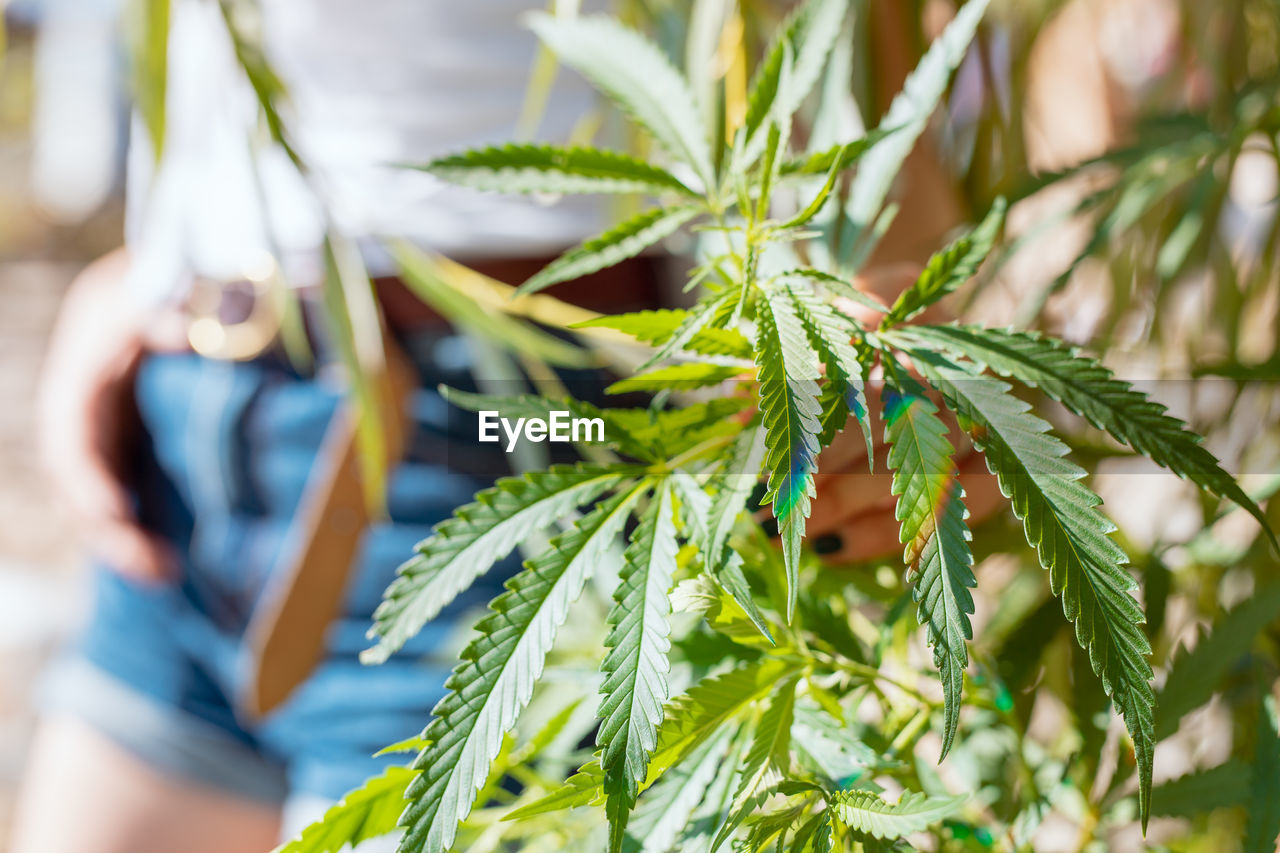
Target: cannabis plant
736 667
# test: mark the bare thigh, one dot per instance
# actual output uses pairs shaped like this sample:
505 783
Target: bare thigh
84 794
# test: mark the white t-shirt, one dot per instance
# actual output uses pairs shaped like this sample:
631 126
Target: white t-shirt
371 84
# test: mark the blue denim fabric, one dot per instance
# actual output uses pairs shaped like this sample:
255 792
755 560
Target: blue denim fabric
230 447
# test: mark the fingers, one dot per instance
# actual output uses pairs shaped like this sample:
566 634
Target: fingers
133 552
844 496
869 536
102 514
87 422
854 518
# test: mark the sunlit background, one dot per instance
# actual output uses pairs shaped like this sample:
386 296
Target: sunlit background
63 112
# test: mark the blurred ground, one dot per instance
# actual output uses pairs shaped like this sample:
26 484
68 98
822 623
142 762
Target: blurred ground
39 592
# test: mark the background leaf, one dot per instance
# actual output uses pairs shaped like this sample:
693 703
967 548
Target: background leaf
623 241
552 169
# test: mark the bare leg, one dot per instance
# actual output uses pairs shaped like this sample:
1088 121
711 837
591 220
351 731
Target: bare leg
84 794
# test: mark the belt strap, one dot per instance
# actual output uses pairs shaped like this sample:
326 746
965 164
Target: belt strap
286 633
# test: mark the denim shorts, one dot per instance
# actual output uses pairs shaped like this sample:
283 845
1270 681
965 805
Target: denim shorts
229 447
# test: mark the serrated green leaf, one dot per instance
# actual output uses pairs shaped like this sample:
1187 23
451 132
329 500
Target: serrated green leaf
676 377
907 116
367 812
1263 827
495 679
733 486
768 759
633 72
807 37
672 431
825 745
810 210
553 169
581 789
417 743
730 489
465 546
844 392
814 836
1202 791
949 268
625 240
932 514
704 595
865 811
838 157
789 404
1194 675
766 827
726 342
657 326
1060 519
688 721
665 809
636 666
694 715
836 285
701 316
1090 390
760 98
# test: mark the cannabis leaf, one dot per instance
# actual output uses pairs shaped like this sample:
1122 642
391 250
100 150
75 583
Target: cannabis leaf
1196 674
1202 791
789 403
495 679
665 808
932 514
658 326
865 811
367 812
636 666
839 157
948 269
688 721
844 392
633 72
625 240
677 377
552 169
1090 390
768 759
479 534
1061 522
